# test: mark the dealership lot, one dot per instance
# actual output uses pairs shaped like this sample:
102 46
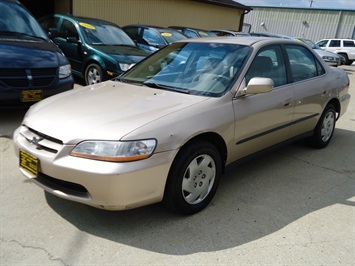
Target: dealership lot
293 206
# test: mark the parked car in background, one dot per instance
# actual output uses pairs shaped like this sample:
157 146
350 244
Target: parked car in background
343 47
32 67
266 34
330 58
193 32
152 38
96 49
166 129
220 32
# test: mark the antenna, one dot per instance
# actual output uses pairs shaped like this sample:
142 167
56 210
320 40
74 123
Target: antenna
311 1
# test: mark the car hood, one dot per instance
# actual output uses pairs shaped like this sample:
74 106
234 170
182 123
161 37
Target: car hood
108 110
123 53
16 54
325 53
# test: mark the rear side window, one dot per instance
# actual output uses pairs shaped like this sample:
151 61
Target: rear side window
303 64
334 43
349 43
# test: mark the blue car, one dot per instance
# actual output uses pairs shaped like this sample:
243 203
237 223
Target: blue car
97 50
152 38
32 67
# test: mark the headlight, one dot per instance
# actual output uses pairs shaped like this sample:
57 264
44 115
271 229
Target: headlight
125 67
328 58
64 71
115 151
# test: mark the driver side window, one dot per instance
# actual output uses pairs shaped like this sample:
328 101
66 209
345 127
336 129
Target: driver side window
68 30
268 63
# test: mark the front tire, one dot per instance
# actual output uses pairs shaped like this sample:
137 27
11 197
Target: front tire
93 74
324 130
193 178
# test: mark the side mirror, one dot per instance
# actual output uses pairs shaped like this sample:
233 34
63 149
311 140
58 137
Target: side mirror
259 85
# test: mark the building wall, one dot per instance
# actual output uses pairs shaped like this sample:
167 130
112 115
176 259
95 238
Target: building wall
160 13
312 24
62 6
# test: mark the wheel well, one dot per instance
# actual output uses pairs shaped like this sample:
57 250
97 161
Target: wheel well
216 140
336 104
92 61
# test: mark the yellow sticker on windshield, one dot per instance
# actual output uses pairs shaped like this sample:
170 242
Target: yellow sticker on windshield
88 26
202 33
166 34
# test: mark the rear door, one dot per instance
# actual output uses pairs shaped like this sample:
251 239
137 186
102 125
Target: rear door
310 88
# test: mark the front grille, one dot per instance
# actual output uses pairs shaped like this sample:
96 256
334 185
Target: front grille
25 78
41 141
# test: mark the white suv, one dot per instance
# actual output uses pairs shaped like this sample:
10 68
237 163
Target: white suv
343 47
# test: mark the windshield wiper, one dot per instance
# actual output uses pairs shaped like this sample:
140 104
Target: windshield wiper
165 87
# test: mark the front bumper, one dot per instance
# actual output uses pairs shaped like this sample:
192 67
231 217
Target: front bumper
105 185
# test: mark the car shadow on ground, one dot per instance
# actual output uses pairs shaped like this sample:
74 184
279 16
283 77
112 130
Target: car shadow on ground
10 119
254 200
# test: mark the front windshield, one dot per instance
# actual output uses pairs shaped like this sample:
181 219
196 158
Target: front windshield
196 68
172 36
15 21
104 34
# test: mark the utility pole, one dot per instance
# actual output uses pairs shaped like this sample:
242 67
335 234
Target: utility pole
311 1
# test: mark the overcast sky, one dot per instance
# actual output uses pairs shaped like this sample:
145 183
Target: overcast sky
329 4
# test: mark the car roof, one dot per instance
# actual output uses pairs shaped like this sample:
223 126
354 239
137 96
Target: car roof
158 28
85 19
247 40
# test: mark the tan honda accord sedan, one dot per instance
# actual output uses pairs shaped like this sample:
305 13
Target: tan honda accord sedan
166 129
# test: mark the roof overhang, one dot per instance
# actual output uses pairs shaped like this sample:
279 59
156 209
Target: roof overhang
225 3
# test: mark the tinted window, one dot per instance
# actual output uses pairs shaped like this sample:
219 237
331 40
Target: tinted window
268 63
334 43
303 64
133 33
349 43
68 30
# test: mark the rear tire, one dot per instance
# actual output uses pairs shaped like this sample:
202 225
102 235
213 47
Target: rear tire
193 178
324 130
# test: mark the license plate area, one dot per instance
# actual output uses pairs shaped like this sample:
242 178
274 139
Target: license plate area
29 163
31 95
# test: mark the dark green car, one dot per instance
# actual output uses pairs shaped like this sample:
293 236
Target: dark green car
97 50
